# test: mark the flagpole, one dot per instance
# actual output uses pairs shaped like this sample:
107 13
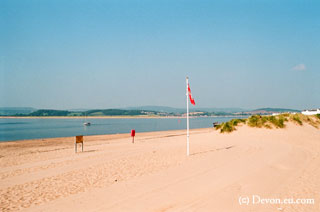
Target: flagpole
187 94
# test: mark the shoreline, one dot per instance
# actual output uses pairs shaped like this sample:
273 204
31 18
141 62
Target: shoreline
81 117
115 117
104 135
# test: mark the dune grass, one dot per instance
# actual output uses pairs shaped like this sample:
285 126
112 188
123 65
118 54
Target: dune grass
296 119
230 125
311 120
270 122
267 121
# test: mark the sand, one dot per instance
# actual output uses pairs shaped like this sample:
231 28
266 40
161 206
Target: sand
154 173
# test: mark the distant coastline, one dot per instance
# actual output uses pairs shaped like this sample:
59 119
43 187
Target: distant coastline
81 117
145 112
115 117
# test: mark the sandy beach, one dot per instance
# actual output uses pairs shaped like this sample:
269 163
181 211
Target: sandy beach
154 173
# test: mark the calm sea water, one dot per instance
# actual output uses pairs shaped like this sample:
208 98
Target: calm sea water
20 129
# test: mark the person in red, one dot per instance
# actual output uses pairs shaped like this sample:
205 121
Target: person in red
133 133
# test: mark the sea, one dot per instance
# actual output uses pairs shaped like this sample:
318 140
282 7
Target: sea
13 129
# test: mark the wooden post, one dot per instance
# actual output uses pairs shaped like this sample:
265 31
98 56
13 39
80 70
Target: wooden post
79 139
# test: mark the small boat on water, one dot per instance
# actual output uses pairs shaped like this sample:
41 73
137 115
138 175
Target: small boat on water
86 123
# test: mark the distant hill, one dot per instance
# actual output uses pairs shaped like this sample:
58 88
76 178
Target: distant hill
97 112
119 112
140 111
50 113
265 111
183 110
9 111
221 110
278 109
158 109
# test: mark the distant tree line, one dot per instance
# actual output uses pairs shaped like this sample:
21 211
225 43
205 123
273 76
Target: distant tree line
122 112
106 112
118 112
49 113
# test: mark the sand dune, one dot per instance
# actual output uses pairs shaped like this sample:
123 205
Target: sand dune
154 174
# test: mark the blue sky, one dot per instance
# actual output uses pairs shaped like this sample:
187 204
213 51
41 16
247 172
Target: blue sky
107 54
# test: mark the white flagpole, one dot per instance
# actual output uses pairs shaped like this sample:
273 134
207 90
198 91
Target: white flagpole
187 81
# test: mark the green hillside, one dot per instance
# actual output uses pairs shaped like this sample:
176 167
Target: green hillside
105 112
50 113
119 112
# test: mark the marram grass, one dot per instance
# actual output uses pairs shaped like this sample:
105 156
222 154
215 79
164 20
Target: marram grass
269 122
230 125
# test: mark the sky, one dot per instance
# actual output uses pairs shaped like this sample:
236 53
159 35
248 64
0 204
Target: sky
112 54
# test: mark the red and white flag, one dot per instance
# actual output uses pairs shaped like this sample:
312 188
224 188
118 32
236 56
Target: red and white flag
190 96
